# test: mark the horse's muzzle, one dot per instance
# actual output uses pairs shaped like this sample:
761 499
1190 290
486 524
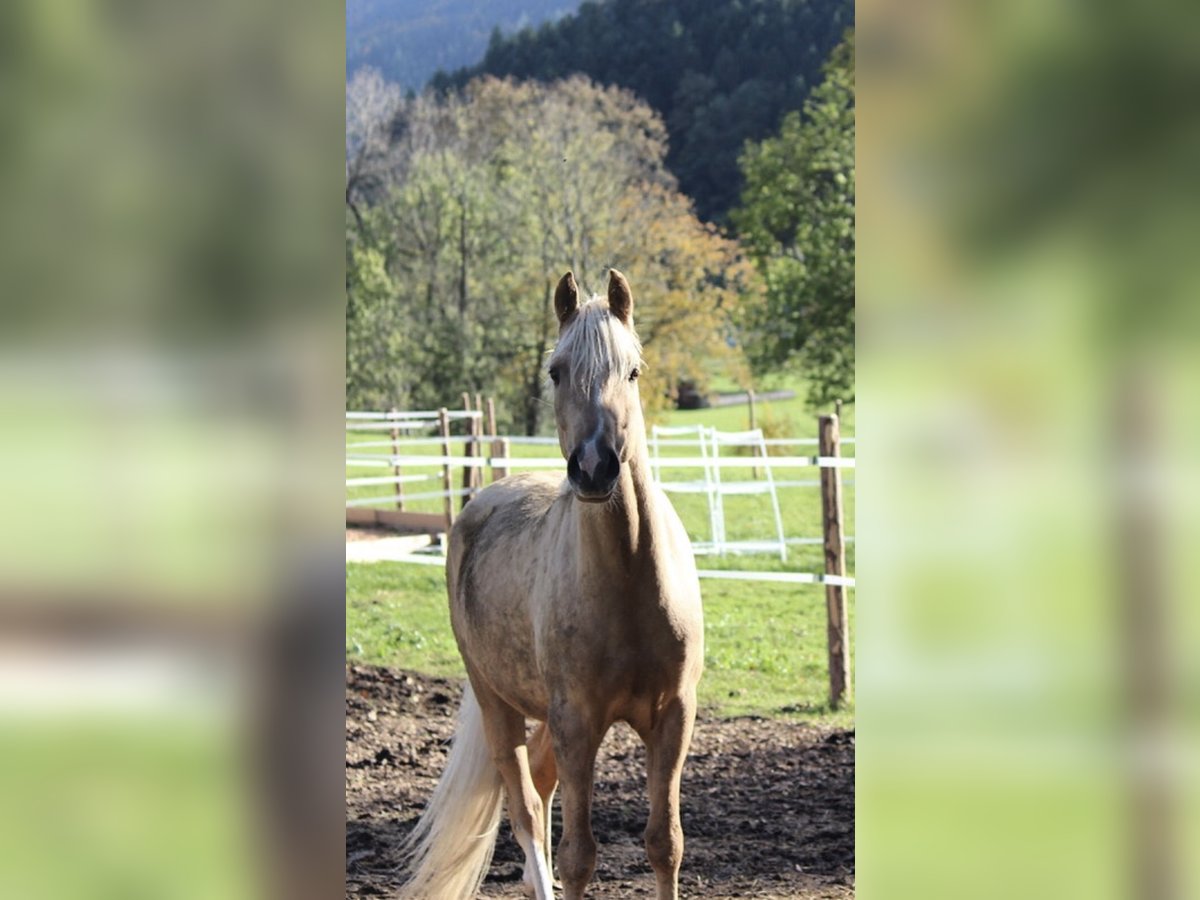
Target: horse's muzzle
598 483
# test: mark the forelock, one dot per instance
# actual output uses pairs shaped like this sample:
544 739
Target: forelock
596 344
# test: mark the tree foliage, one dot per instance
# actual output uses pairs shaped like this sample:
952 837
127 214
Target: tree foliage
460 226
797 220
719 72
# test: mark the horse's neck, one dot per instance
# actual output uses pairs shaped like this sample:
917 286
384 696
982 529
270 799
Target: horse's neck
623 531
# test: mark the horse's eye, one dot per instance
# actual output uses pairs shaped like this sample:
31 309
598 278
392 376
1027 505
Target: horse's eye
554 374
633 376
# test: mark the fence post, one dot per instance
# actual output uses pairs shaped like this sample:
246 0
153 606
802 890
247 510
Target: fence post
444 428
477 429
468 475
499 445
500 448
477 443
493 450
396 466
837 632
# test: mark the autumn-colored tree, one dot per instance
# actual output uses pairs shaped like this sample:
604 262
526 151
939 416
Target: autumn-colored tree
493 194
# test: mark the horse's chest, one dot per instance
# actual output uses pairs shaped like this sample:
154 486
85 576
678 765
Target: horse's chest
616 648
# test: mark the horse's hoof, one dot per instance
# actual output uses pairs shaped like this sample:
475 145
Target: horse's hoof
529 889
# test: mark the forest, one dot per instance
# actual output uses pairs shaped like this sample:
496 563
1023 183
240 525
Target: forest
466 203
719 74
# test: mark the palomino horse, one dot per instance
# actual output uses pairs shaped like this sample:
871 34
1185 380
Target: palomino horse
574 603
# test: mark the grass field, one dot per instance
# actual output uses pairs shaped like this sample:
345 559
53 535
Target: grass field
765 647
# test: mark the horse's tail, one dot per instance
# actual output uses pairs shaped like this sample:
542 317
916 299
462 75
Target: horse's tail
448 852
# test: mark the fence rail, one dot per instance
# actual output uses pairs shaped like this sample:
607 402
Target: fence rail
437 559
557 462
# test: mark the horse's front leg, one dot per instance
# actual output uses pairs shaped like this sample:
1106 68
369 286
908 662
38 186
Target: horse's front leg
666 748
505 729
544 770
576 737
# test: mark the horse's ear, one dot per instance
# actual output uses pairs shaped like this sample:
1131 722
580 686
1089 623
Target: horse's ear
620 298
566 298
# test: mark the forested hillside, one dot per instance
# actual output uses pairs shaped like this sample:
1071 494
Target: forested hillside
465 205
409 40
719 72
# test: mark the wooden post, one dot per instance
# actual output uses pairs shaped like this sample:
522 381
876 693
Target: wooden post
444 428
468 473
477 431
480 446
837 628
477 443
395 466
500 448
493 447
491 417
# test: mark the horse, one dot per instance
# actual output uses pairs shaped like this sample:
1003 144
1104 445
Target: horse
574 603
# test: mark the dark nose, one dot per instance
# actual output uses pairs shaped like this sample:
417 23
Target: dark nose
603 476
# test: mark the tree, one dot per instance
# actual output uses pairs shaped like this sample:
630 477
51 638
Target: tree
371 105
797 220
435 224
487 197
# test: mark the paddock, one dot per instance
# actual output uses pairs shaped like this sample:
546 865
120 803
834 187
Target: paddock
768 804
767 798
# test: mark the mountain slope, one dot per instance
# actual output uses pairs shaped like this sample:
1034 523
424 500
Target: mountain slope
409 40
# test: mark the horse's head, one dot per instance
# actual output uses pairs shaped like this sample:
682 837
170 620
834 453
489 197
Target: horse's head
595 369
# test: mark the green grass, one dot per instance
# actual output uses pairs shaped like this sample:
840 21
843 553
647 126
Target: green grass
397 615
791 415
765 643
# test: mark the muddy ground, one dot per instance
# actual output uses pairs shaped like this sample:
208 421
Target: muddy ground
768 806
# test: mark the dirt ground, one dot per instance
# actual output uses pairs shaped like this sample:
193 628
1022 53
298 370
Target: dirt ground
768 806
